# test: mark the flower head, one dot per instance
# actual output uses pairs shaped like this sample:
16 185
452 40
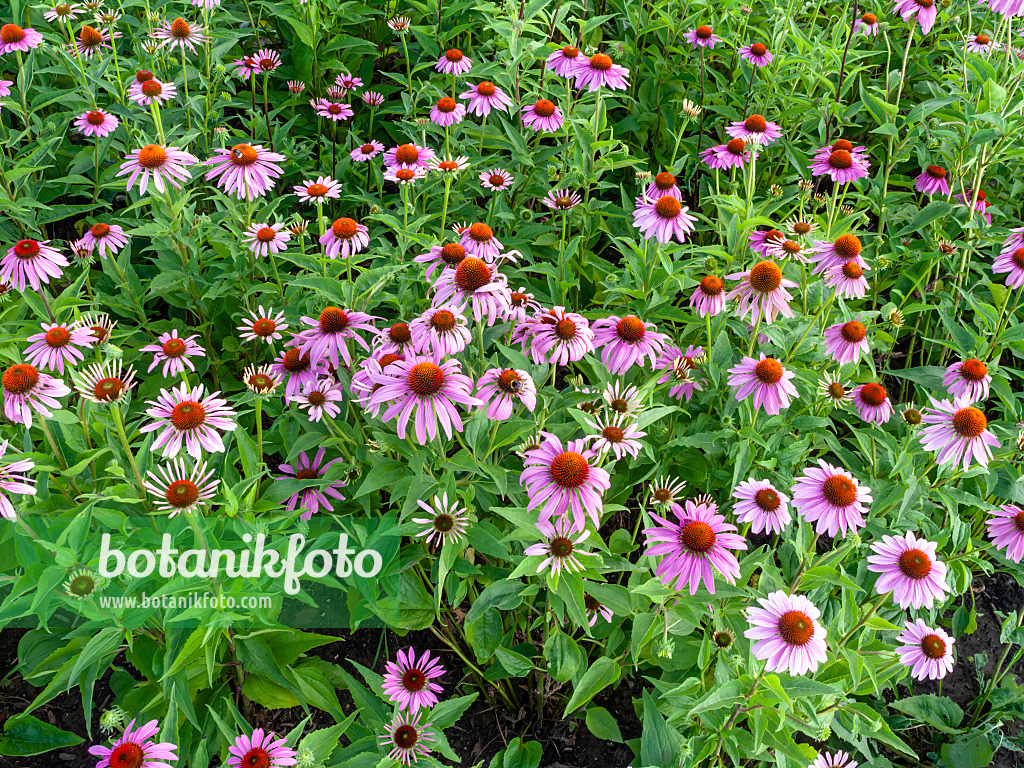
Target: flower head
755 129
787 634
174 352
165 164
968 378
57 345
832 498
767 380
326 337
345 238
500 389
316 497
245 170
702 37
757 54
872 403
136 747
180 34
926 651
260 750
600 71
409 681
663 218
543 116
909 569
405 737
453 62
262 325
762 292
957 430
618 434
563 481
846 342
180 490
447 520
27 390
761 504
186 417
484 97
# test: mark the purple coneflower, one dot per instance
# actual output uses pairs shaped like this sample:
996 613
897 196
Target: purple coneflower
13 479
702 37
105 238
136 747
345 238
91 40
761 504
372 98
562 200
164 163
104 383
619 434
559 337
664 219
246 170
755 129
448 165
780 250
678 367
762 292
519 303
626 342
265 239
843 249
709 296
62 12
446 521
757 54
957 430
348 81
246 67
331 110
57 345
909 569
406 738
932 181
762 241
722 157
968 378
409 156
296 87
260 750
447 112
872 403
927 12
151 90
543 116
27 390
496 179
980 43
663 184
263 325
365 152
447 256
453 62
767 380
564 62
981 205
499 389
179 489
563 482
832 497
787 634
840 165
441 331
187 417
867 24
14 38
409 681
927 652
694 547
395 339
174 352
311 500
319 397
559 548
1010 260
599 71
485 96
327 336
477 283
848 280
31 262
180 34
296 368
96 123
323 188
1005 529
846 342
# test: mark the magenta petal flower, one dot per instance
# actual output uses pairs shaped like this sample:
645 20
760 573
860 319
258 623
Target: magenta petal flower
297 369
406 738
454 62
927 12
136 747
484 97
13 479
872 403
761 504
926 651
702 37
627 342
709 296
841 166
174 352
787 634
599 71
566 61
562 481
694 547
932 181
311 500
969 379
543 116
178 489
59 343
846 342
247 171
558 337
345 238
957 431
14 38
755 129
96 123
27 390
833 760
477 283
166 164
762 292
261 750
767 380
426 390
679 368
757 54
105 238
409 682
447 112
723 157
1005 529
185 416
832 497
664 219
909 569
32 262
318 398
440 330
478 239
499 389
1010 260
265 239
326 337
409 156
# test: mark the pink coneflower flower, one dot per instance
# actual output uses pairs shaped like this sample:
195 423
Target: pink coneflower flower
409 156
334 93
447 112
399 24
401 176
755 129
62 12
757 54
499 389
166 164
104 383
27 390
366 380
268 60
709 296
246 67
311 500
477 283
679 367
91 40
1011 259
14 38
664 219
595 609
980 43
763 241
105 238
619 434
725 156
767 380
694 547
150 90
453 62
485 96
348 81
969 378
833 760
867 24
331 110
345 238
450 165
135 747
846 342
761 504
702 37
909 569
260 380
319 397
559 337
840 165
663 184
559 549
831 497
626 342
496 179
441 331
58 344
762 292
187 417
623 399
957 430
96 123
599 71
1005 530
409 682
478 239
447 256
563 482
296 368
179 489
366 152
246 170
927 12
372 98
566 61
981 205
832 390
932 181
425 390
520 303
787 634
844 249
265 239
174 352
324 188
406 738
296 87
326 337
263 325
14 479
781 250
32 262
447 520
543 116
562 199
927 652
180 34
260 750
872 403
98 324
848 280
5 89
859 154
800 228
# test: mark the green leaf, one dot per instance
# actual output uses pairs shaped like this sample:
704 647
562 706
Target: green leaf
659 744
601 674
25 735
940 712
514 663
973 752
602 724
520 754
